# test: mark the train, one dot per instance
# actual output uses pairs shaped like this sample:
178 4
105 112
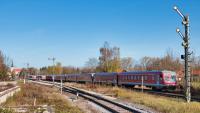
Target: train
152 79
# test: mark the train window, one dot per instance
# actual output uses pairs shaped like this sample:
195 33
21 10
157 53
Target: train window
166 78
145 77
153 78
173 78
161 78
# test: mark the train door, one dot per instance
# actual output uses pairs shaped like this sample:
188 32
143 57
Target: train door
157 80
117 77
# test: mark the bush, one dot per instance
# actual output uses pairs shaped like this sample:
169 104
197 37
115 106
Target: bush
6 111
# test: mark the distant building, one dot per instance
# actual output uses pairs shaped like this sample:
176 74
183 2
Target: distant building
15 70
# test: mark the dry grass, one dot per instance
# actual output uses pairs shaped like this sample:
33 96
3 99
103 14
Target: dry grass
5 111
5 87
44 95
195 89
159 103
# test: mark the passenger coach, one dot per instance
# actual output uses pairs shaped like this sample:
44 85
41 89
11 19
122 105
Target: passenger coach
153 79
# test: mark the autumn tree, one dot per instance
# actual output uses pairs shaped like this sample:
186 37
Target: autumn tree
43 71
70 70
109 59
58 68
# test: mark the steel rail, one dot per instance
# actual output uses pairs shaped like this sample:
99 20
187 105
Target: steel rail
94 98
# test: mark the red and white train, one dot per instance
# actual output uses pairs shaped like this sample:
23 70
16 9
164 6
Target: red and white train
153 79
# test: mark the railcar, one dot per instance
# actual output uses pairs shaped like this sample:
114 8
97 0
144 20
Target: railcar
107 78
41 77
32 77
49 77
71 77
153 79
83 78
58 78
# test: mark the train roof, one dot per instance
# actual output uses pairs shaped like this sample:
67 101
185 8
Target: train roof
106 73
154 71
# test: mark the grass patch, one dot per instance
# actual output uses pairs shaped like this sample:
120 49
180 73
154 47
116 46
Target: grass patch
195 89
44 96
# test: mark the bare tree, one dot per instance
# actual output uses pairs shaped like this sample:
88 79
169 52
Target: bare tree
91 64
4 66
126 63
145 62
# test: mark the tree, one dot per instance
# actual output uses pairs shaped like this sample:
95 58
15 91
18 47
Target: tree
70 70
4 69
126 63
109 60
91 64
168 62
115 63
145 62
44 71
58 68
32 71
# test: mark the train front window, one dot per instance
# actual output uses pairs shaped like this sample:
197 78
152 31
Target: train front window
166 78
170 77
173 78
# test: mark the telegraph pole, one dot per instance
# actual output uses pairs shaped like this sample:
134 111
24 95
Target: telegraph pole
186 57
53 59
27 73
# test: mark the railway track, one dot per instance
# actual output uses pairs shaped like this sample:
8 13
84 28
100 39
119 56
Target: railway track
108 104
177 95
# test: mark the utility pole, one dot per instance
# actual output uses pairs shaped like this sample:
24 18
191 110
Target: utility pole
61 85
27 73
186 57
53 59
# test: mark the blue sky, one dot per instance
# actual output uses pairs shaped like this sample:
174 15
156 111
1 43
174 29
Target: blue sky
74 30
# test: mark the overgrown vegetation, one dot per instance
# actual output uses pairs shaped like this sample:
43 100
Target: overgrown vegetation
6 111
44 96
